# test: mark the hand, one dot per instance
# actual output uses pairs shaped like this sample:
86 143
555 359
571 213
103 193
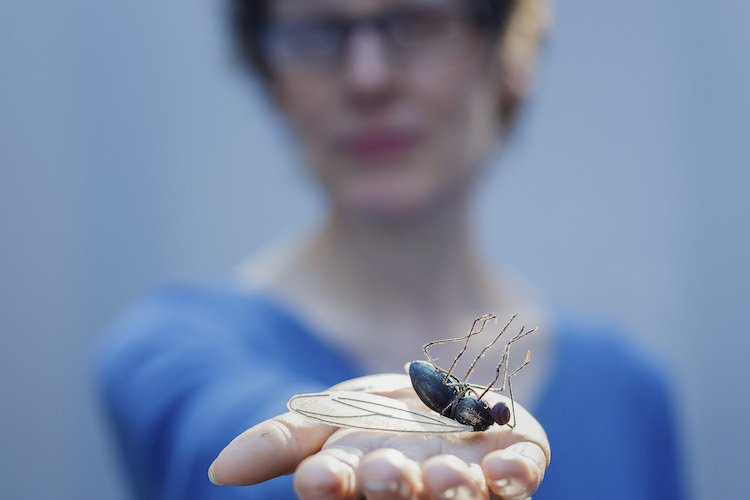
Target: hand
338 463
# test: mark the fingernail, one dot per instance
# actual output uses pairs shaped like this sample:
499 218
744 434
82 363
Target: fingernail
501 483
389 486
457 493
211 474
509 487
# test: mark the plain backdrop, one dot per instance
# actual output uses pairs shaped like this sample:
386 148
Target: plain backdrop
134 153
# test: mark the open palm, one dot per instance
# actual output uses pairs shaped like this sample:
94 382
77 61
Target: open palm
338 463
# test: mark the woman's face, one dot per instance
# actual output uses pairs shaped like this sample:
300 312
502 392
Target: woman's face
395 102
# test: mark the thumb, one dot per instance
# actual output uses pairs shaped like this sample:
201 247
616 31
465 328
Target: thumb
272 448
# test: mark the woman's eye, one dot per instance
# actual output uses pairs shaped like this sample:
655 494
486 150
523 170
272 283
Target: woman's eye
307 39
318 34
419 27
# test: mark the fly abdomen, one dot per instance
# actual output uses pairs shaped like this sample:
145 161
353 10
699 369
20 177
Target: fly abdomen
429 386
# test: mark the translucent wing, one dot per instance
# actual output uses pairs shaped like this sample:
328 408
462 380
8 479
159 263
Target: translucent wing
360 410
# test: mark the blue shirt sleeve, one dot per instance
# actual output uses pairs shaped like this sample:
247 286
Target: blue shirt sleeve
185 372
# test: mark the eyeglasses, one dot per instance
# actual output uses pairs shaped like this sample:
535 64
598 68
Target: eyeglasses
411 35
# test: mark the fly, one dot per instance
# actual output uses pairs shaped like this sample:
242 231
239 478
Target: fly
456 398
456 405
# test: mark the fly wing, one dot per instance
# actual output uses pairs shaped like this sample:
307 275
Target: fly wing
361 410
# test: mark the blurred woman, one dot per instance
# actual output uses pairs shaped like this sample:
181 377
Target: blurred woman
397 106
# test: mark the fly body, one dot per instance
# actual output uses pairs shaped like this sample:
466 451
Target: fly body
444 393
455 405
451 400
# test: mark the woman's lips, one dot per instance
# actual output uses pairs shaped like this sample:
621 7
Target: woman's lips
378 146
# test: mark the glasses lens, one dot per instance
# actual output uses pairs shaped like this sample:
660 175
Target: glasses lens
412 36
419 33
311 42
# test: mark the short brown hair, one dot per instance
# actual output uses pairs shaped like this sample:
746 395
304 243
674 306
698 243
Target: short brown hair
519 25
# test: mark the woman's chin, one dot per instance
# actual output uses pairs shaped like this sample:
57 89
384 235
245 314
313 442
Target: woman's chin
395 206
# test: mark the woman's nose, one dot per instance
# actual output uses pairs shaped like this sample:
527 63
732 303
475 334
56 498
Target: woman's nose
367 66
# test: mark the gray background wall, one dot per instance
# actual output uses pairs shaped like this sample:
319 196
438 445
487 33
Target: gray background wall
132 153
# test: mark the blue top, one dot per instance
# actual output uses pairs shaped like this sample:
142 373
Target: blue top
187 370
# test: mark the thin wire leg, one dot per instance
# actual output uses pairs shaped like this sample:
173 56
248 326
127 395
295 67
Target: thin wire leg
506 351
497 375
510 387
503 365
484 319
487 347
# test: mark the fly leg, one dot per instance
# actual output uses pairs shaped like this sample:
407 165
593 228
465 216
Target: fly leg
472 332
510 387
486 348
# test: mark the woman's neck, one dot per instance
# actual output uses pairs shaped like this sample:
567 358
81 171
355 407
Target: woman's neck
365 284
420 266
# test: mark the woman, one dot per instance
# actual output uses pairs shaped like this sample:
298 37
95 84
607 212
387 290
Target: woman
396 105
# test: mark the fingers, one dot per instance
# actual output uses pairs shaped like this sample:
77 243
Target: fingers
513 473
356 464
449 477
510 474
516 468
516 471
343 473
389 474
328 475
272 448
